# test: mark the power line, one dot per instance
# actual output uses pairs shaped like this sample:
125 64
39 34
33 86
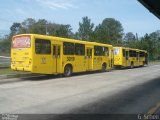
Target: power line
3 29
9 21
5 20
3 32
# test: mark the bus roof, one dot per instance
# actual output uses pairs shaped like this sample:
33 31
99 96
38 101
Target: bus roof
64 39
132 49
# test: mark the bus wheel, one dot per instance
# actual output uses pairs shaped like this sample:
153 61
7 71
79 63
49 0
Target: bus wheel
67 71
143 64
104 66
132 65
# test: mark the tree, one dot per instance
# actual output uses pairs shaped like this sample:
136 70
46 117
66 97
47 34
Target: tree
85 30
43 27
146 44
110 31
5 45
100 34
40 27
114 30
130 40
15 28
64 31
28 25
155 38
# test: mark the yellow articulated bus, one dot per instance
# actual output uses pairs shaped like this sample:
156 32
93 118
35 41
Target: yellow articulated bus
55 55
128 57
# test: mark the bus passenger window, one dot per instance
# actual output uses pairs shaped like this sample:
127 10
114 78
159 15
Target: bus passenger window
105 51
116 51
59 50
68 48
137 55
124 53
127 55
132 53
42 46
54 50
98 51
89 53
142 54
79 49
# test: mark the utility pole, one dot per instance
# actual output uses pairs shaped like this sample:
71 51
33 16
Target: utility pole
46 29
137 36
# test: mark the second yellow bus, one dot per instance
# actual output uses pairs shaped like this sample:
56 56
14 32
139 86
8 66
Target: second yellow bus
128 57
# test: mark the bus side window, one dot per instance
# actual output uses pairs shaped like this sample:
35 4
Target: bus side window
134 54
127 55
98 50
54 50
142 54
42 46
137 55
106 52
124 53
130 53
79 49
68 48
89 52
58 51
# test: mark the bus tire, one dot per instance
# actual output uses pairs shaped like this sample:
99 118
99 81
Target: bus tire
104 67
132 65
67 70
143 64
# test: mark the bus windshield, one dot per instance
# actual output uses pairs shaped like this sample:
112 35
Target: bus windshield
21 42
116 51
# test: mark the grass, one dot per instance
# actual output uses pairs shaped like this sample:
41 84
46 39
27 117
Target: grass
4 65
5 54
6 71
156 62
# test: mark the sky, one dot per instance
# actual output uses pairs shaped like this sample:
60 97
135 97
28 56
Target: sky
133 16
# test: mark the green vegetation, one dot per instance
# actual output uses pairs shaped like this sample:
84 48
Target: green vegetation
6 71
4 65
155 62
109 31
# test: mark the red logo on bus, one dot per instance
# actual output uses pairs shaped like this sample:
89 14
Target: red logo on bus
21 42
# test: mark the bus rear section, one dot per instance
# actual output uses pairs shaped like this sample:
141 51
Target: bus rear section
128 57
21 53
118 57
143 58
123 57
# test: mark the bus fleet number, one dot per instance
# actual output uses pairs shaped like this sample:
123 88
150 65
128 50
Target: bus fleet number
70 58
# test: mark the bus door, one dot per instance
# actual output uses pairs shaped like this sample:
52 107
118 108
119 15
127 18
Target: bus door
56 58
146 58
112 58
138 61
89 58
127 58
